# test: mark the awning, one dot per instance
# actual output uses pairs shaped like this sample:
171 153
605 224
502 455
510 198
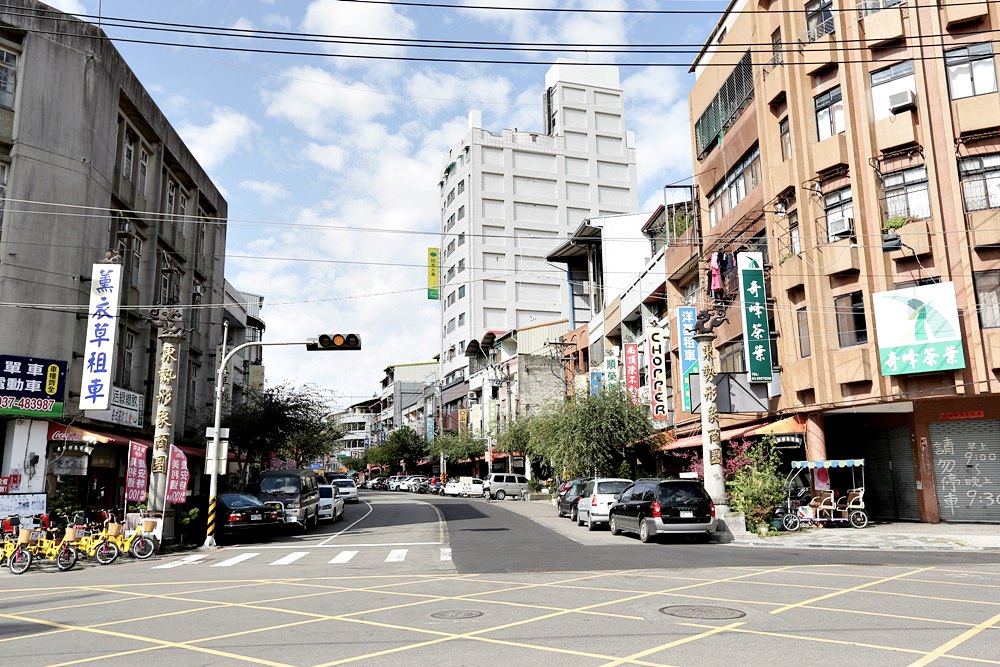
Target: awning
793 424
75 434
788 429
695 440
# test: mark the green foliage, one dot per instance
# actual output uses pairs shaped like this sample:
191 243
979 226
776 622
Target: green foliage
624 470
354 463
895 222
756 489
515 437
403 444
458 446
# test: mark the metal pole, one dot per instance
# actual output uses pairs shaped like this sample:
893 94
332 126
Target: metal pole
213 483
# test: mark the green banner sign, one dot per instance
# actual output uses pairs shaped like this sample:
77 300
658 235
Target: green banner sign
753 302
917 330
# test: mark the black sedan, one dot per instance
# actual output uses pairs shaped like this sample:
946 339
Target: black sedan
241 515
568 499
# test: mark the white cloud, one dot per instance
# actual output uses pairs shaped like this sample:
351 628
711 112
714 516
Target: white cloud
329 17
656 108
279 21
431 91
242 23
68 6
328 156
211 144
268 191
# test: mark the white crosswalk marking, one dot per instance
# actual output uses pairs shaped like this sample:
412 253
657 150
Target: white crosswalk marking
235 560
290 558
396 556
187 560
445 553
344 557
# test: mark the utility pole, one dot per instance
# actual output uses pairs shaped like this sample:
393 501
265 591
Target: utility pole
168 321
711 436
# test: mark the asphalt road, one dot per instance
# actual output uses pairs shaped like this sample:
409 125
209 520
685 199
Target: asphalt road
436 581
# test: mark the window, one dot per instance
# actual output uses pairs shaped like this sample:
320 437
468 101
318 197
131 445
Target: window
461 186
850 312
4 169
461 319
794 244
136 261
140 185
164 288
888 82
128 354
451 222
461 239
829 114
8 77
128 154
971 71
451 273
739 181
451 299
805 346
988 298
733 97
906 193
451 196
461 212
182 205
451 325
839 215
980 178
171 196
786 140
461 291
819 19
193 370
461 265
202 238
777 53
450 249
731 357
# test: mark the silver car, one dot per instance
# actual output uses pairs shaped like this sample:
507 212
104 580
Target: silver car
348 489
596 500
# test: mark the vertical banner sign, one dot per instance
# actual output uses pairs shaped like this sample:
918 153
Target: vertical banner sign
463 421
753 301
632 372
177 477
99 350
596 382
687 351
917 330
659 397
137 476
432 274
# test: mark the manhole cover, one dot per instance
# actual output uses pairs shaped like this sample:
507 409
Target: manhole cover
457 614
701 611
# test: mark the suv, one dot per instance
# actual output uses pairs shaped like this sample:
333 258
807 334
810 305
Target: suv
597 498
651 507
296 490
499 485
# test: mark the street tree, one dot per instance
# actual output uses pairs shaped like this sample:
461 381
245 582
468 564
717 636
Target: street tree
410 445
458 446
385 454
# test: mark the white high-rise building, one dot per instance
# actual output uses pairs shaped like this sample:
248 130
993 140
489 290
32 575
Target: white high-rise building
509 199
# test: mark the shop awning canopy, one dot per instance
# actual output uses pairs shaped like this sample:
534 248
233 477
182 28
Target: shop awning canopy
838 463
62 433
781 429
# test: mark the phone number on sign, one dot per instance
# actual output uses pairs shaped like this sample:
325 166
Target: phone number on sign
42 404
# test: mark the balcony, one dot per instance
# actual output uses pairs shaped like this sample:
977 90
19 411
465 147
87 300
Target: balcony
900 129
985 226
790 272
839 257
852 364
881 22
819 46
961 12
916 238
775 78
977 113
830 153
781 176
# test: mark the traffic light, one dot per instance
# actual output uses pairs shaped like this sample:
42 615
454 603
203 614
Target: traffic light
335 342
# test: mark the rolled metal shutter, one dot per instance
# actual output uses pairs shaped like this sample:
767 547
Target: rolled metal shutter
879 496
967 469
904 474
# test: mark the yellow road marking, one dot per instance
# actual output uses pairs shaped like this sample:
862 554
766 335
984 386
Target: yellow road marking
882 614
852 589
822 640
931 597
676 642
955 583
949 645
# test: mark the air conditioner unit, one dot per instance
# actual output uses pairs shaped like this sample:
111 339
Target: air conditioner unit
905 100
839 229
473 396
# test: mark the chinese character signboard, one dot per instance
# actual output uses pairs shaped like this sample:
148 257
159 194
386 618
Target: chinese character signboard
688 352
753 301
137 475
632 371
31 387
177 476
659 396
596 382
99 350
127 408
917 330
611 372
432 273
4 485
463 421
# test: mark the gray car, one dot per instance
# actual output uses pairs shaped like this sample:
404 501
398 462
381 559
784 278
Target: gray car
499 485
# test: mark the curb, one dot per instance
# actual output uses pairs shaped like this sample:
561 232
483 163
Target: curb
864 547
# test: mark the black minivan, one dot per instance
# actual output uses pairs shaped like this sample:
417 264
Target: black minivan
297 490
651 507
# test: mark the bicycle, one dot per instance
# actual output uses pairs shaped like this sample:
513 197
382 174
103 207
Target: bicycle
12 551
141 543
90 542
42 543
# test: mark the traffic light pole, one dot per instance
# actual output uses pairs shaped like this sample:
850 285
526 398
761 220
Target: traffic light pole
213 452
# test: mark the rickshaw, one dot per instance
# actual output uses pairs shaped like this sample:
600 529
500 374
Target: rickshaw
823 508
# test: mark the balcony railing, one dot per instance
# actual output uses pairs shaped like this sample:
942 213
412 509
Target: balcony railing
825 27
777 59
866 7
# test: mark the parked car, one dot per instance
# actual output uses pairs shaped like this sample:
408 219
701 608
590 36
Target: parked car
568 500
331 503
501 485
296 490
410 483
596 499
394 482
348 489
239 514
464 486
650 507
380 484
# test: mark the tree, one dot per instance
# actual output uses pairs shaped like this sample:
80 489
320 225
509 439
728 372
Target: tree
458 446
755 489
404 444
385 454
354 463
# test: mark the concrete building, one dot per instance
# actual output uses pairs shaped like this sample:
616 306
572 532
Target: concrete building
861 159
91 167
507 199
242 313
401 386
356 422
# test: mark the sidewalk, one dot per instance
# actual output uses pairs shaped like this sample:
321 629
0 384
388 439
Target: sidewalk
877 535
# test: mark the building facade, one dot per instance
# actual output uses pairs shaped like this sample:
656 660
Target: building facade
356 424
860 160
92 171
507 199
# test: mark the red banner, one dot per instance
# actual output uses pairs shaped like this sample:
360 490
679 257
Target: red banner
632 371
4 485
177 476
137 475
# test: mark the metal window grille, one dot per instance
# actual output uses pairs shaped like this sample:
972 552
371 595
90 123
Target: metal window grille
725 107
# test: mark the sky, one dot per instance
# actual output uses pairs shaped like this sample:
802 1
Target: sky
330 162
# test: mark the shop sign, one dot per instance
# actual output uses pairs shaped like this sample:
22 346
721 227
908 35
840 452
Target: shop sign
127 408
753 305
596 382
463 421
4 485
137 474
433 277
611 374
177 476
632 371
917 330
102 328
688 352
659 397
70 465
957 416
31 387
